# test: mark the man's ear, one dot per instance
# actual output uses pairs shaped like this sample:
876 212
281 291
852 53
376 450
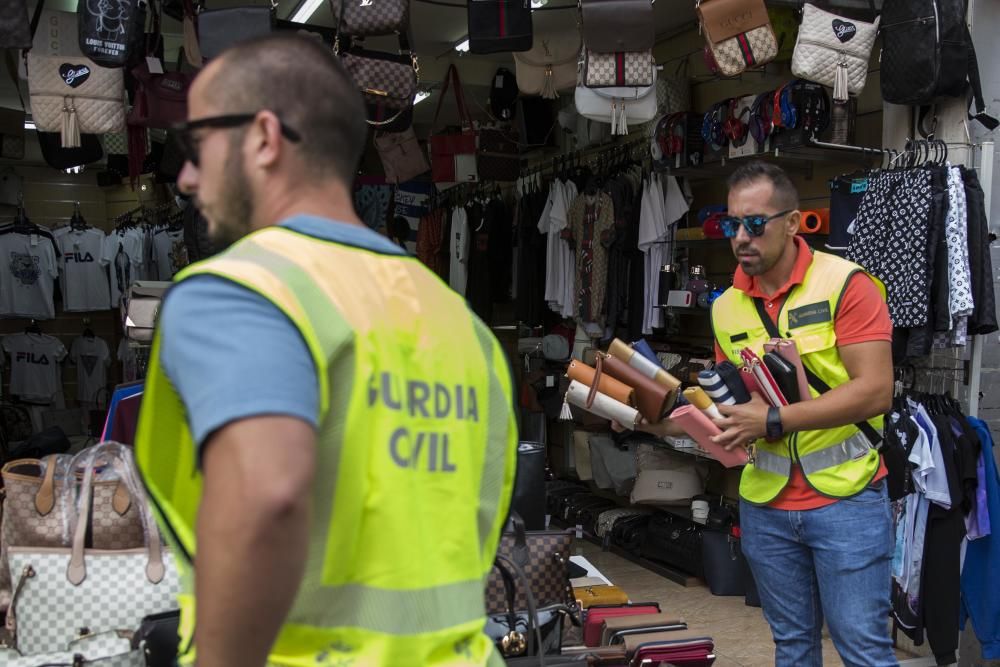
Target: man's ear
267 139
793 221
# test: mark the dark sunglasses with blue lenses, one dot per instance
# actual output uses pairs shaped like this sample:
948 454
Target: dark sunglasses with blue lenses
754 224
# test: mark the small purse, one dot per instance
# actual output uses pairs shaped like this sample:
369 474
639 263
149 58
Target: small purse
628 68
401 155
738 34
160 99
550 65
499 26
369 18
218 29
498 158
111 30
833 51
652 398
387 81
611 26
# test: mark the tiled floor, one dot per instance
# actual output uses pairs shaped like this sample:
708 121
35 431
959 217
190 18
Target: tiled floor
742 637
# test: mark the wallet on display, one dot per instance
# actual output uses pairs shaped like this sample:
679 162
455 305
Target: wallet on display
732 376
607 385
697 397
715 387
768 385
652 398
702 430
784 375
603 406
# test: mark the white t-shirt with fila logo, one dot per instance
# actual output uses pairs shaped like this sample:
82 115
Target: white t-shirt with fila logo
83 273
35 371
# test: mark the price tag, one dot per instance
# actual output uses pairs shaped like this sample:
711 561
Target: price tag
548 520
498 82
34 239
550 380
859 185
579 532
154 65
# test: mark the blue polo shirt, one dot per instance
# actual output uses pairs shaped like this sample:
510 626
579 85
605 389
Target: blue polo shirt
231 354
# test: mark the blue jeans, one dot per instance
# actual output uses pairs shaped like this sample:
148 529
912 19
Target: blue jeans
831 562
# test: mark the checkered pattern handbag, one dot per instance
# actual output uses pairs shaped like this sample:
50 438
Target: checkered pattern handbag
62 595
608 70
367 18
109 649
548 553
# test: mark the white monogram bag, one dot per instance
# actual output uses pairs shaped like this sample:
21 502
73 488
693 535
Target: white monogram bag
64 595
833 51
73 95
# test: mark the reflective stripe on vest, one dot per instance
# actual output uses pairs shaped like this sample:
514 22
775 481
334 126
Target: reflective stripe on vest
404 425
832 460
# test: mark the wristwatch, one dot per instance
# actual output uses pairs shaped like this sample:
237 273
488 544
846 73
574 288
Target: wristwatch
775 429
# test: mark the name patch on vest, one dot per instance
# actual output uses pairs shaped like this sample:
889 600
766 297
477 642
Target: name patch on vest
811 314
735 338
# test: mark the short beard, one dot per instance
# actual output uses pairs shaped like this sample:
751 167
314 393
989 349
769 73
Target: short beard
235 212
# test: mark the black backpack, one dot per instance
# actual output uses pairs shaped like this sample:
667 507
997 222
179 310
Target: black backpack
503 94
927 52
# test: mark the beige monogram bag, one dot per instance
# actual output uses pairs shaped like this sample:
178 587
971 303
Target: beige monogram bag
738 33
39 510
72 95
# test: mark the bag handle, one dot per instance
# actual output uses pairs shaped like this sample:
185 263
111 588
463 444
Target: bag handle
123 464
534 632
463 111
45 499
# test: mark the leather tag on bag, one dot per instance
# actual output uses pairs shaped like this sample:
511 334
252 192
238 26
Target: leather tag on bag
725 19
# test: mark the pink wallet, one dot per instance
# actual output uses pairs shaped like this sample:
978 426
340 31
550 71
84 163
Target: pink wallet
787 349
702 430
771 392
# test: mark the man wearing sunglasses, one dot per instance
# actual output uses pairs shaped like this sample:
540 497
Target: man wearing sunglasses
814 509
327 431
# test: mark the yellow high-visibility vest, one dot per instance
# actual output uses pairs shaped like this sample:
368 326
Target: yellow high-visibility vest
416 453
837 462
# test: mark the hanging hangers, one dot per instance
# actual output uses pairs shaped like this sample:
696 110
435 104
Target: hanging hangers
87 332
33 328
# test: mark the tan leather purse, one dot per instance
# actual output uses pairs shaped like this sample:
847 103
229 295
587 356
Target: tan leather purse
738 33
606 384
626 354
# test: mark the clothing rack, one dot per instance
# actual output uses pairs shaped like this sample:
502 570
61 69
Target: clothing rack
628 149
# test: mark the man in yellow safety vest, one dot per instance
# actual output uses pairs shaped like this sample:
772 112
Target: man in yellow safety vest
327 431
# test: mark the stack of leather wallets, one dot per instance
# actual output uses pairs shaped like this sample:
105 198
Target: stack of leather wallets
640 633
627 382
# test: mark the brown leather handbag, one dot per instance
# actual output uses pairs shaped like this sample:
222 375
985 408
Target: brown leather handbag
401 155
606 384
611 26
39 510
653 400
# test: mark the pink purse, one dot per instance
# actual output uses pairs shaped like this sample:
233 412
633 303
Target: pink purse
702 430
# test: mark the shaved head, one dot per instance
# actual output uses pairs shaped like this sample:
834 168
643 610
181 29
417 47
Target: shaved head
303 83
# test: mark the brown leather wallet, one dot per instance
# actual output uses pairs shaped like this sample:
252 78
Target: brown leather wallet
606 384
652 399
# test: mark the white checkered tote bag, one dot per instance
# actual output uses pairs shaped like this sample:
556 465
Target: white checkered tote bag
63 595
110 649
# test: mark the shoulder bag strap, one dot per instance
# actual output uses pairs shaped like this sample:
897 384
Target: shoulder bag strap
814 380
989 122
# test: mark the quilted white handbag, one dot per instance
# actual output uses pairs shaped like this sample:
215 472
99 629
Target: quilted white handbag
72 95
833 51
63 595
551 64
618 106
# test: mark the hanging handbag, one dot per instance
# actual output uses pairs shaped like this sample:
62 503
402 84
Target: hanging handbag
738 34
402 157
106 649
12 120
59 157
551 63
74 96
611 26
453 154
15 30
109 29
617 106
160 99
219 29
54 34
499 26
367 18
628 68
388 82
833 51
499 157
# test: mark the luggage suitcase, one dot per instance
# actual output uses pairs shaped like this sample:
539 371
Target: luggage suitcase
607 520
588 516
579 502
675 541
614 630
597 614
628 533
557 497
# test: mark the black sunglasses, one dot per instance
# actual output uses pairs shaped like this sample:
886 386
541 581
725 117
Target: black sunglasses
188 143
754 224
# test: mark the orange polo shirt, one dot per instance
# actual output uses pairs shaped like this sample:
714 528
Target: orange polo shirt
861 317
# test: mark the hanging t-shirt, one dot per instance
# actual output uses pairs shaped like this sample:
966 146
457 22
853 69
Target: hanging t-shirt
564 257
170 253
129 361
458 248
35 373
124 256
91 357
27 276
84 278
